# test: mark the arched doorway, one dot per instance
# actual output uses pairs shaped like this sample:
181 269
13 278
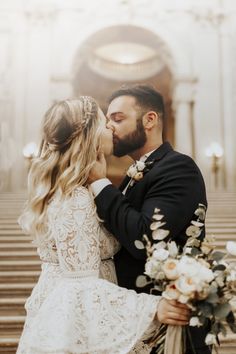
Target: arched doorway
119 55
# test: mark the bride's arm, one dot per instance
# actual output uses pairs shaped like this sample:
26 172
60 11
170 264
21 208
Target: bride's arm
109 245
76 231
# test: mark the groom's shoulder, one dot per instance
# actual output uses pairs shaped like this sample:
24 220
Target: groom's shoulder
175 161
175 156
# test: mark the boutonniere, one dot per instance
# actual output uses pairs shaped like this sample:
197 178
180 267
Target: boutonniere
138 169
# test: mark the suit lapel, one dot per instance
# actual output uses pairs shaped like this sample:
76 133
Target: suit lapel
160 152
124 183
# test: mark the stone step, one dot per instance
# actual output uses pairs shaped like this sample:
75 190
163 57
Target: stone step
18 255
8 345
230 212
221 231
224 225
217 218
14 246
20 265
16 239
19 276
10 232
227 344
11 325
223 236
12 290
9 226
12 306
4 221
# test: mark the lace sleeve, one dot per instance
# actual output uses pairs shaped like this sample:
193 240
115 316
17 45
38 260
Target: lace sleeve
109 245
76 230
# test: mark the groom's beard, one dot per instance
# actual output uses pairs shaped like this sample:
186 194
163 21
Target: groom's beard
131 141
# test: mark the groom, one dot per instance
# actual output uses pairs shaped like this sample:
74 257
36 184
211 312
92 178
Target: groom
173 184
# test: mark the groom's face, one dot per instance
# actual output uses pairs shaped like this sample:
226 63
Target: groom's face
125 120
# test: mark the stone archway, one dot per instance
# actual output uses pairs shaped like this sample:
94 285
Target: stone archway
89 81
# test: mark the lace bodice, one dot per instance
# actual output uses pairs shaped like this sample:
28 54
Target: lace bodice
77 240
71 309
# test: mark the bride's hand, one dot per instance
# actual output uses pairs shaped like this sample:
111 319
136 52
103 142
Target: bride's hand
99 169
173 312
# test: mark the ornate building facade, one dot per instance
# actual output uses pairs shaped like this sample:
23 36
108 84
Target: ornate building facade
54 49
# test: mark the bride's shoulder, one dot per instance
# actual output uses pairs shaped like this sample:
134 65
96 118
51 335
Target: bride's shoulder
82 195
80 198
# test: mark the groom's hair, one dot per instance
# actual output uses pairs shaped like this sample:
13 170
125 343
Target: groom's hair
147 98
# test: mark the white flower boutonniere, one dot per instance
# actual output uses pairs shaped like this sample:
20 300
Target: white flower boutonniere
138 169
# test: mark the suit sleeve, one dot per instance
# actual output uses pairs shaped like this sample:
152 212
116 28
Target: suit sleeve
175 188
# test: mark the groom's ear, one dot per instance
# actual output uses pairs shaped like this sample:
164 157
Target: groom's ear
150 120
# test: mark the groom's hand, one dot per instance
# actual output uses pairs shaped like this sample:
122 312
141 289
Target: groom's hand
99 169
173 312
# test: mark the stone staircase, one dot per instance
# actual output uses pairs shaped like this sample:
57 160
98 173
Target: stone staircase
19 271
20 265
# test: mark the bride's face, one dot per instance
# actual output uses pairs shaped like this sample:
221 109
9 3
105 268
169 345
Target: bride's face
106 136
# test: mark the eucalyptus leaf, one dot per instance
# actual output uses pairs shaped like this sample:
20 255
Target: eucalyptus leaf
220 267
213 298
232 326
222 310
213 289
158 287
195 251
139 245
206 308
223 329
230 318
142 281
218 256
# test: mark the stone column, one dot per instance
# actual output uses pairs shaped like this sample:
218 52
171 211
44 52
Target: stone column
32 81
183 105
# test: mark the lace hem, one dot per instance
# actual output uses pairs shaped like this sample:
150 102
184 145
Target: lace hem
89 316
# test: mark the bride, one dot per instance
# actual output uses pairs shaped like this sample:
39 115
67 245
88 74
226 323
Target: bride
75 308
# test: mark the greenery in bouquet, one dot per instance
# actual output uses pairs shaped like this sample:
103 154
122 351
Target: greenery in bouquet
197 274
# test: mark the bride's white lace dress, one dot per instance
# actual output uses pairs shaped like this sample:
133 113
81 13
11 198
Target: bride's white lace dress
71 309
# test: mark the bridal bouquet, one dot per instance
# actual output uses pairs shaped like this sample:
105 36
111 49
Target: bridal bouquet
196 275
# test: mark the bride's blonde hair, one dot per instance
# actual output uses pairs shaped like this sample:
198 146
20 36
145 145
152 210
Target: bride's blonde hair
71 138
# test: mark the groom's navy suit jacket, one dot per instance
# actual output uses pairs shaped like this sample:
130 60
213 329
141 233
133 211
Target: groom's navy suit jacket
175 185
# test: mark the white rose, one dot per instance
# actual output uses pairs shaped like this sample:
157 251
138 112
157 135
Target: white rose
151 268
138 176
194 321
231 247
171 293
210 339
205 274
188 266
160 254
170 268
132 170
203 291
140 165
185 285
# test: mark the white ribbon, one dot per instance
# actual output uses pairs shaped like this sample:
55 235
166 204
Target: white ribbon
173 341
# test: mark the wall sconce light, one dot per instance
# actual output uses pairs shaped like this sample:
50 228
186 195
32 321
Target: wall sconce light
215 152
